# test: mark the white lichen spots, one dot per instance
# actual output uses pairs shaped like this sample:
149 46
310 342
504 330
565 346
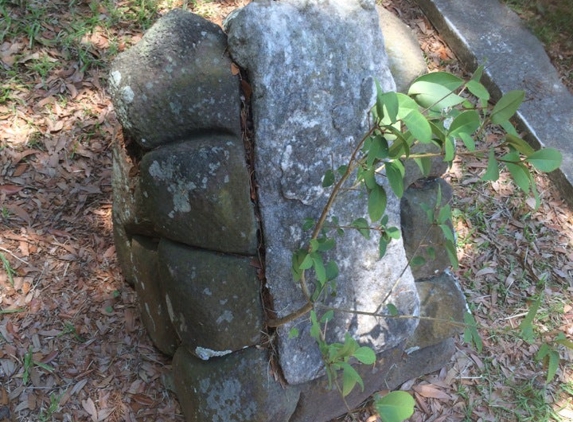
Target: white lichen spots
213 167
149 85
207 291
206 354
115 77
226 179
150 316
204 182
175 107
223 301
182 324
226 316
143 141
127 94
169 308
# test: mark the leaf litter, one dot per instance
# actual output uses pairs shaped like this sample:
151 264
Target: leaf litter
70 326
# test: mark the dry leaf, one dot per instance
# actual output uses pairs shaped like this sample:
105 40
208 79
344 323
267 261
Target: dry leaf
89 406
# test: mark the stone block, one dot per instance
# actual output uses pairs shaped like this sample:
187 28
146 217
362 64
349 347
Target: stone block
198 193
148 286
213 300
442 299
175 82
420 234
405 56
238 387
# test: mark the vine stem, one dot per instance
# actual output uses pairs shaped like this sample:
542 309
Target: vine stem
309 305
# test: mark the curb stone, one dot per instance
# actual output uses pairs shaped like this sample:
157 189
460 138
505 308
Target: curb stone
485 31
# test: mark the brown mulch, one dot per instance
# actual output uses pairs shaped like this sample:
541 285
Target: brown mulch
70 331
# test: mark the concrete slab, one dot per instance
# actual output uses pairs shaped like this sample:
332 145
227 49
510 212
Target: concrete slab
485 31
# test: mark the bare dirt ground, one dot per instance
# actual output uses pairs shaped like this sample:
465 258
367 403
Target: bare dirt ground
72 347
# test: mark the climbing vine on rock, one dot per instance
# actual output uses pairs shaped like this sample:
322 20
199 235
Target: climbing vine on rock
443 111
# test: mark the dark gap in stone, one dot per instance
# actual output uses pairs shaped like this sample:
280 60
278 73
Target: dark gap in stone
270 338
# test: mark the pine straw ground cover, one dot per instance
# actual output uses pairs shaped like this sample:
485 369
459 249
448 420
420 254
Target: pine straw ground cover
72 347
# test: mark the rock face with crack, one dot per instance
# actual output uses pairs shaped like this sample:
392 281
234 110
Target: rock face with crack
191 229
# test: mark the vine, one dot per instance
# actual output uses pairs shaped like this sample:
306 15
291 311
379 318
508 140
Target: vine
442 110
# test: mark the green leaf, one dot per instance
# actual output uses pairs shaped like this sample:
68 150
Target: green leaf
392 310
445 214
550 357
376 203
478 73
328 179
471 334
562 340
468 141
365 355
308 224
342 169
386 105
449 149
327 317
520 176
452 254
479 91
396 406
319 269
526 326
306 263
492 172
507 106
444 79
378 150
405 105
399 148
349 378
418 125
369 178
417 261
383 245
314 327
363 228
326 244
425 165
434 95
467 122
293 333
519 144
331 270
395 174
393 232
545 160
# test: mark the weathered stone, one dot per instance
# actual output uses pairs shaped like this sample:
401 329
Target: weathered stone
437 167
331 406
213 300
312 67
151 297
442 299
238 387
198 193
129 207
404 53
175 82
421 235
122 243
419 362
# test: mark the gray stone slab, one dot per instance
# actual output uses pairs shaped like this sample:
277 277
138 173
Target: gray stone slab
484 31
311 65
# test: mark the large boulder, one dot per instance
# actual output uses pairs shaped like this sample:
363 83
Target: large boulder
312 67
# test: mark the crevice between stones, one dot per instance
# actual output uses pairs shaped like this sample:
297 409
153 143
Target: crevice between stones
269 338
